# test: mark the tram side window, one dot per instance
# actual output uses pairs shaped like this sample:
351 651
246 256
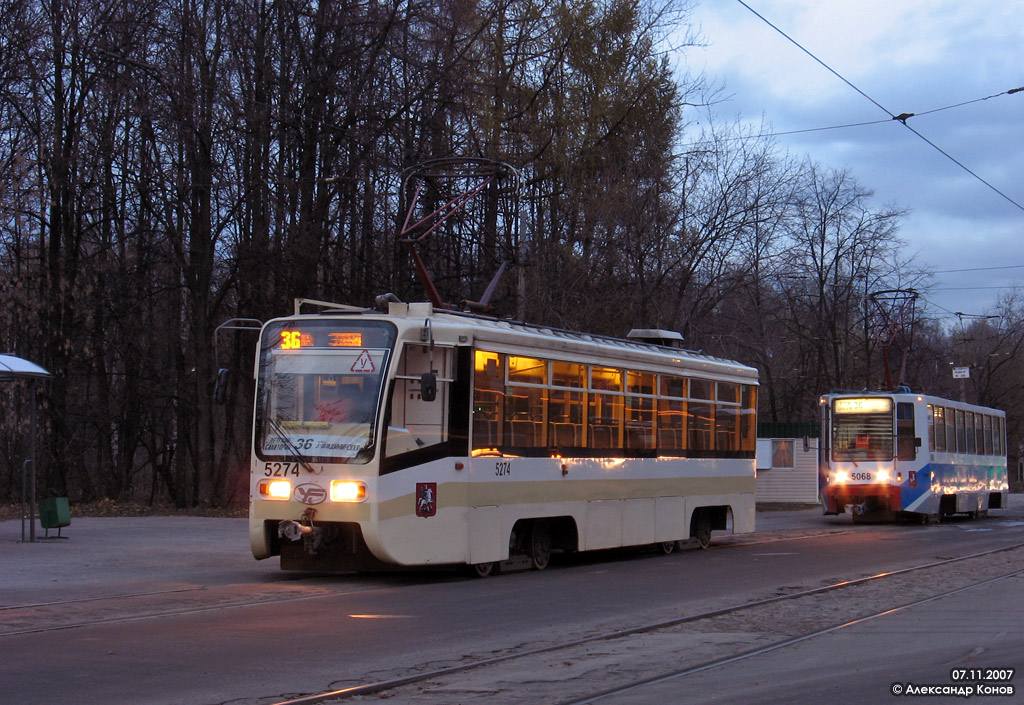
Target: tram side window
988 435
748 418
931 427
566 404
672 413
701 415
606 408
414 423
940 428
950 415
905 431
522 403
526 406
979 433
961 426
969 432
640 410
727 417
488 399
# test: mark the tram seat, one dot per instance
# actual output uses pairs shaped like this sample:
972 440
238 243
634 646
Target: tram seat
485 433
639 436
564 435
601 436
726 440
699 439
524 434
668 438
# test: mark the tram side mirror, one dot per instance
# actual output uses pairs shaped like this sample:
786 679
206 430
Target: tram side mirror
220 386
428 386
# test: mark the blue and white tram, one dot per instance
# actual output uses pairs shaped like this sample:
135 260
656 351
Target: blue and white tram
420 437
888 455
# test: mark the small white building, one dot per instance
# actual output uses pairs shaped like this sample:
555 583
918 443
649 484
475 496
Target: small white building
787 470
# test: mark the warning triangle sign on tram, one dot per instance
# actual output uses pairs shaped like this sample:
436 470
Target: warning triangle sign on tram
363 363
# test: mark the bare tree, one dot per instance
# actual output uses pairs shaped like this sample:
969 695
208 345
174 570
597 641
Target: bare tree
169 165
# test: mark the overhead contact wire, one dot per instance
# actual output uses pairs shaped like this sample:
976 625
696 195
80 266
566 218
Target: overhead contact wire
902 118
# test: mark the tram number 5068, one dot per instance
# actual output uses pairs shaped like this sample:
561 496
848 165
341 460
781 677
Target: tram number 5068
502 468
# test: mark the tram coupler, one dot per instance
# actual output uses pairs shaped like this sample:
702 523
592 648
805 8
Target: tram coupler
858 510
311 536
293 530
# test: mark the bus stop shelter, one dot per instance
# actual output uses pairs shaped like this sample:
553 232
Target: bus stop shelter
13 368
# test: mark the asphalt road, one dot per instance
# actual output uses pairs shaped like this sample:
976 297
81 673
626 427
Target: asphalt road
174 610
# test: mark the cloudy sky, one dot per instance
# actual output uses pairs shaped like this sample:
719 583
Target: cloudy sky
909 56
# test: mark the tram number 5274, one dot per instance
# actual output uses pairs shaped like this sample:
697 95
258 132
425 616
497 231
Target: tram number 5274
280 469
502 468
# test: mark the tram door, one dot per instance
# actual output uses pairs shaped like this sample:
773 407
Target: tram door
907 441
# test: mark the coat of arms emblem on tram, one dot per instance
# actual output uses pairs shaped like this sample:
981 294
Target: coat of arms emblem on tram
426 499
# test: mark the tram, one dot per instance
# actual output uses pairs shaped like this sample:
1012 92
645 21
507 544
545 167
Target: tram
421 437
901 455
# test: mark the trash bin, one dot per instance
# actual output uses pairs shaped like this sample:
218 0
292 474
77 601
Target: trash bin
54 513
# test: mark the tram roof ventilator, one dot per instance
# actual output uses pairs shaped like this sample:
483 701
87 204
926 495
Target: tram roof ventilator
657 336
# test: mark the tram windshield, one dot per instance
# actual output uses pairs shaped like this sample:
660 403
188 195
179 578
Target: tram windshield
320 388
862 429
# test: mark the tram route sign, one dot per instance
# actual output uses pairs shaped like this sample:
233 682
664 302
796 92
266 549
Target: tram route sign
961 373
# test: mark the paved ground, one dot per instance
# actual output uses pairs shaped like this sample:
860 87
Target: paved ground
112 555
104 556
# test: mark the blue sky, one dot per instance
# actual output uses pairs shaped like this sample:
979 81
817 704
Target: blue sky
910 56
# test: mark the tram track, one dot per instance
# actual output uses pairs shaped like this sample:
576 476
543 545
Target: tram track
131 607
682 673
97 598
654 651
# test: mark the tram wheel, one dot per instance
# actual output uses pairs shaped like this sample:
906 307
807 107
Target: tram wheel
667 547
700 528
540 545
482 570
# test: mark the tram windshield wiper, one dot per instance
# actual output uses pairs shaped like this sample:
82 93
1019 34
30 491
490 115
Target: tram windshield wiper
283 437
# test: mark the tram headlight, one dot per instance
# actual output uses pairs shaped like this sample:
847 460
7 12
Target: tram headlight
347 491
882 476
275 489
841 477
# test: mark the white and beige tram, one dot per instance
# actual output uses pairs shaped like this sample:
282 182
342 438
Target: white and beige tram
421 437
891 455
